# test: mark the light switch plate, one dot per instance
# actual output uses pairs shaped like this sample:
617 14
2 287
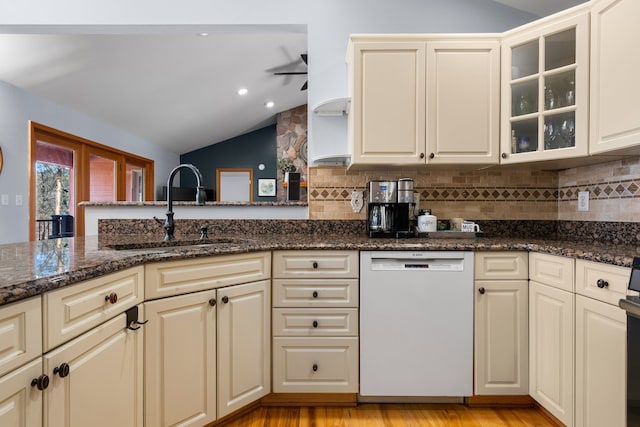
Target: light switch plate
4 199
18 199
583 201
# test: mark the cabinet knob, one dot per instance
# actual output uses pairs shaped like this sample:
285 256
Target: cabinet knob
504 155
225 299
601 283
42 382
481 290
422 155
62 370
315 367
432 155
212 302
111 298
315 294
315 323
315 264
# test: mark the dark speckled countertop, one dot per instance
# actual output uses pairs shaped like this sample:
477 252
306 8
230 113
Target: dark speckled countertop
28 269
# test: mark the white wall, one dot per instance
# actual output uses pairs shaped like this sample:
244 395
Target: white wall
17 107
329 24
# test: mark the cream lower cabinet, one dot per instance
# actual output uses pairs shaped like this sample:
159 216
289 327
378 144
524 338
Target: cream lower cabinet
207 352
501 354
180 360
551 356
97 378
601 333
244 345
315 322
408 99
20 402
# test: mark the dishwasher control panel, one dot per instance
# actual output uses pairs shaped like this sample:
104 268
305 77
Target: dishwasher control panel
400 264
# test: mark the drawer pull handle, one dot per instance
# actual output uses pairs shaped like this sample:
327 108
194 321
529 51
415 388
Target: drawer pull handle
212 302
602 283
315 367
111 298
42 382
225 299
315 323
62 370
481 290
315 264
315 294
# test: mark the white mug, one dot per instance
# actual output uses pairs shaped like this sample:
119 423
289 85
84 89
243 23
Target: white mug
470 227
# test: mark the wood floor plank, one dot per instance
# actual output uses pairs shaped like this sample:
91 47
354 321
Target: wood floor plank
391 415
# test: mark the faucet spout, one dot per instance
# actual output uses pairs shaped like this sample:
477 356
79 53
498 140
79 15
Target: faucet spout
169 225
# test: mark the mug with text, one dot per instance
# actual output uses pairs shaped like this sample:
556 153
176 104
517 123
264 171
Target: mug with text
470 227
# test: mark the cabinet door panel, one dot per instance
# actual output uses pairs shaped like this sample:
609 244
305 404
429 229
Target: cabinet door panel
180 360
20 403
463 113
20 333
388 103
244 345
501 338
601 333
104 386
615 88
551 351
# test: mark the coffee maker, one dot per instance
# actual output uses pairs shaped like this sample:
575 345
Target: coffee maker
389 208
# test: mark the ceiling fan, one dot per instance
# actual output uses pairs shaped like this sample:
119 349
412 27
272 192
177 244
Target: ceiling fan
291 73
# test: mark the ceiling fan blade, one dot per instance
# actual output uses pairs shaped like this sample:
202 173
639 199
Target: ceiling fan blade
289 73
304 86
304 58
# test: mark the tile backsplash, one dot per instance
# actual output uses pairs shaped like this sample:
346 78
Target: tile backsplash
498 193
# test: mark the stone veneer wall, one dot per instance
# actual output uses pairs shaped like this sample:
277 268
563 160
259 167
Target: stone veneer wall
291 140
490 194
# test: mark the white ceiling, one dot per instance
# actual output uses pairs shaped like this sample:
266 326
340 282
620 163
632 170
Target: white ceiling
176 90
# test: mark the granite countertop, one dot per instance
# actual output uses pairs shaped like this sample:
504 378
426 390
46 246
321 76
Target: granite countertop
29 269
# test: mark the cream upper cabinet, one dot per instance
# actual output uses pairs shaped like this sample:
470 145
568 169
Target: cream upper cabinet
418 100
501 354
545 89
601 334
615 85
244 345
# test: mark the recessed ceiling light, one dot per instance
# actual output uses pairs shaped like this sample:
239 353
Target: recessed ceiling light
203 34
242 91
269 104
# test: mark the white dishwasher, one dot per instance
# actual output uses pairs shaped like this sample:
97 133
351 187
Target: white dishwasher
416 324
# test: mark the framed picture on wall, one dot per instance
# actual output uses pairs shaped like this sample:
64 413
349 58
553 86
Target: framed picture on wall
266 187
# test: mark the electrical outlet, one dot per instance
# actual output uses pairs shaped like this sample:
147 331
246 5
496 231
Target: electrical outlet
4 199
18 199
583 201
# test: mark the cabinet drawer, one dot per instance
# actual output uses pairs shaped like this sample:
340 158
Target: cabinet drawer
315 293
20 333
613 279
75 309
180 277
552 270
501 265
325 264
315 365
315 322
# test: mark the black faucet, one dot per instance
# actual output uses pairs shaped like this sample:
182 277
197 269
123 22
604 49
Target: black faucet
201 197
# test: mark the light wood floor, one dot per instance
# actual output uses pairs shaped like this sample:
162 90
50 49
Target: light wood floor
391 415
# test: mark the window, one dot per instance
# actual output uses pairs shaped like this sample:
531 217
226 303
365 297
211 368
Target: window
65 169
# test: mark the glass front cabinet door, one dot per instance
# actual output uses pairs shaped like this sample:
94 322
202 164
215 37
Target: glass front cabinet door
545 89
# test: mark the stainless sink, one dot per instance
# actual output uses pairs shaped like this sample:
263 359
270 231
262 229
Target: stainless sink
180 244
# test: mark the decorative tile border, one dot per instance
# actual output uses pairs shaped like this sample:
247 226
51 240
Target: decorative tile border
613 189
